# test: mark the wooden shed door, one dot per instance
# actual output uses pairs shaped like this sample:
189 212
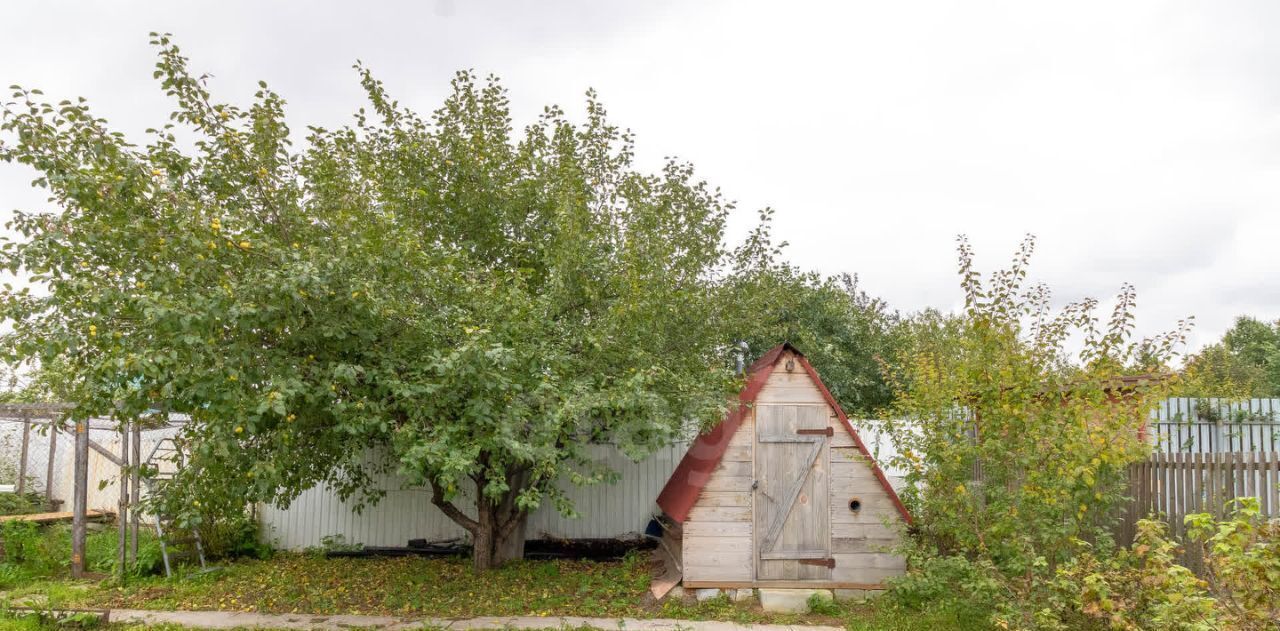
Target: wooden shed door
792 516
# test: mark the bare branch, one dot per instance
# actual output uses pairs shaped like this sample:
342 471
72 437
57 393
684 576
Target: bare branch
451 511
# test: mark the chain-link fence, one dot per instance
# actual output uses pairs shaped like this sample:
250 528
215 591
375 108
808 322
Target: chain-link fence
34 460
56 471
37 459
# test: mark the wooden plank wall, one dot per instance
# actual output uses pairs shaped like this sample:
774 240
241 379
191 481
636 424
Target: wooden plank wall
1174 485
862 541
717 543
784 389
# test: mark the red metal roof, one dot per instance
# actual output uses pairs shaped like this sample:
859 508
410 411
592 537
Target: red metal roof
691 475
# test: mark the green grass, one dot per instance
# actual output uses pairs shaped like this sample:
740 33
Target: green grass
449 588
33 552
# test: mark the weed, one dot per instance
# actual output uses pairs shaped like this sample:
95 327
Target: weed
823 606
25 504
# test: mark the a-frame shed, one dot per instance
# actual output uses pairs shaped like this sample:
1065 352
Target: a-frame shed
782 493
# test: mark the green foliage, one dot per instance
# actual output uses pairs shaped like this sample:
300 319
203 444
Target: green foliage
334 543
1242 562
1016 446
25 504
441 295
834 322
1246 363
9 460
934 578
1142 588
49 620
33 551
823 606
231 536
101 552
46 383
11 575
25 545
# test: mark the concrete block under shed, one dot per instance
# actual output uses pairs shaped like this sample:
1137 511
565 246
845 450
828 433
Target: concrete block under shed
790 600
857 595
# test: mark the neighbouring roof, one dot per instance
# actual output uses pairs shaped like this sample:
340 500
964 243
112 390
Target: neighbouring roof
691 475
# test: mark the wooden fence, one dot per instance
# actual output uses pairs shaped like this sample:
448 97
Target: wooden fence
1174 485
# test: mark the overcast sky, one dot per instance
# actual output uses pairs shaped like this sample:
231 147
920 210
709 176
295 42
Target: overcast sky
1139 141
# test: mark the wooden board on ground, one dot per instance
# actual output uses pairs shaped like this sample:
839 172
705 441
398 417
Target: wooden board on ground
48 518
670 576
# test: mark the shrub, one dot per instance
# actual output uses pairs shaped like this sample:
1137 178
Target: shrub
934 578
11 575
1242 563
1140 588
1143 588
31 550
233 536
1021 429
339 543
102 553
823 606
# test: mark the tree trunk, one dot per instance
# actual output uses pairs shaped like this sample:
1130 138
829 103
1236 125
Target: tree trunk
483 538
498 531
510 546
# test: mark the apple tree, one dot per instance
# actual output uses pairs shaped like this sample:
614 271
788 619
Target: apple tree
441 295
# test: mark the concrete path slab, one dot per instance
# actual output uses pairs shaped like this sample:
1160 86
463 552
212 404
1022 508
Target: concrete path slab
233 619
246 620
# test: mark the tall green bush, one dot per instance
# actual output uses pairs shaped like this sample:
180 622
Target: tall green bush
1144 589
1242 563
1139 588
1018 436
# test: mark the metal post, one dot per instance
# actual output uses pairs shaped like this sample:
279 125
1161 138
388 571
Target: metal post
122 541
22 459
135 488
80 504
48 474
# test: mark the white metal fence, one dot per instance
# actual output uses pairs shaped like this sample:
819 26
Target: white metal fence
607 510
1186 425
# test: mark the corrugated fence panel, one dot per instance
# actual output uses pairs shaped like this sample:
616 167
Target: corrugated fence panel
606 510
1211 425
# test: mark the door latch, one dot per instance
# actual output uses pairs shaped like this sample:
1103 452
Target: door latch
826 431
828 563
